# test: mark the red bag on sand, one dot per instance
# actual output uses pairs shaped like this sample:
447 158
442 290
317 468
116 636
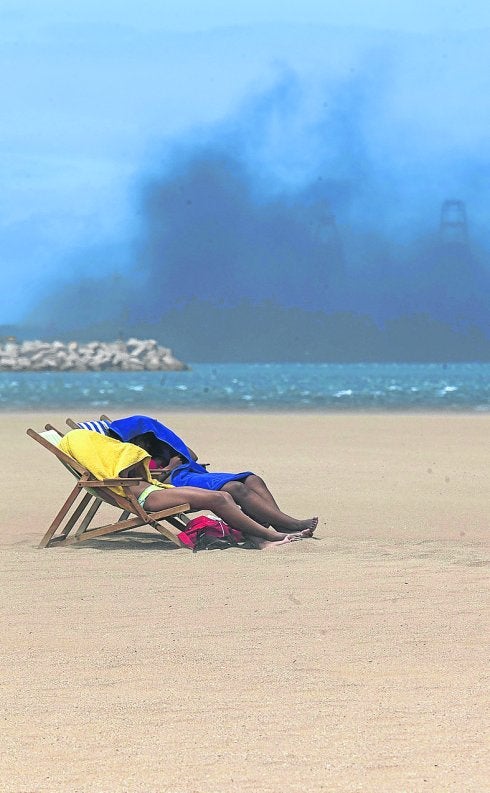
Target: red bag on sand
211 533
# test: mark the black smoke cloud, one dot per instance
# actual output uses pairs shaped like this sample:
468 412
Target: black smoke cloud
289 233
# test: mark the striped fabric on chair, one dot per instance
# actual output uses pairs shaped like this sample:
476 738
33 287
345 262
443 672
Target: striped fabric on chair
101 427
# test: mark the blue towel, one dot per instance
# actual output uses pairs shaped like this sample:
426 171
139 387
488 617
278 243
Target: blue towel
190 473
128 428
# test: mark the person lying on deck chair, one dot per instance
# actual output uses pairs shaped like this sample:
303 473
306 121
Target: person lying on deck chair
106 457
181 469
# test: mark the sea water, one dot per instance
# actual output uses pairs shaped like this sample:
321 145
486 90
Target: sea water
275 386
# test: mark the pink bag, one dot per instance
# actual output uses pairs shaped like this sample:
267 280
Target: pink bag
211 533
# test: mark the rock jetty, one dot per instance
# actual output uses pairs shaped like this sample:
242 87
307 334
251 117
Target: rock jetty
133 355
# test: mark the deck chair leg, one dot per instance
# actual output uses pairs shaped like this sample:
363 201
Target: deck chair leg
59 517
88 517
179 521
76 514
168 533
109 528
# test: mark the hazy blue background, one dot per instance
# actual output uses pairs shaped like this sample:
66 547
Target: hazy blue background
256 182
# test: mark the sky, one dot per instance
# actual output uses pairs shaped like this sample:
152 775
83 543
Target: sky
102 101
195 15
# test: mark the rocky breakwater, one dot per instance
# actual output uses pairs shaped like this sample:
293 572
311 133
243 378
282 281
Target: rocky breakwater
133 355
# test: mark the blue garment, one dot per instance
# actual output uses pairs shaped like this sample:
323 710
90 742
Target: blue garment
190 473
186 476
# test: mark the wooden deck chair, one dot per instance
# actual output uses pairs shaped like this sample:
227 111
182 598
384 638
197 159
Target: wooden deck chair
76 519
179 520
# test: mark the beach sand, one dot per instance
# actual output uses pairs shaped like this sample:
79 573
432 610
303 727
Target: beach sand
352 662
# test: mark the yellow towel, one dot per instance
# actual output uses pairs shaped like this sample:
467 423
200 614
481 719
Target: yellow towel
105 457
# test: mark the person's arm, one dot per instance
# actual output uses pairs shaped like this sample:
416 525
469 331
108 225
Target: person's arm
174 462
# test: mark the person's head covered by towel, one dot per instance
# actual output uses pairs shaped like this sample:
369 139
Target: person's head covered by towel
106 458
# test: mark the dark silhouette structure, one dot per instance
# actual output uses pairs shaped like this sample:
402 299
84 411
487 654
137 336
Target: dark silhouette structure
453 226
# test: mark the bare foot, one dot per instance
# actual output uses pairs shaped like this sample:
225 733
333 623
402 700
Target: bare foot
265 545
305 533
307 526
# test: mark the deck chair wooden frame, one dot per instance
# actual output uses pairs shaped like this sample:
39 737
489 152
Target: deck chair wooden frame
76 519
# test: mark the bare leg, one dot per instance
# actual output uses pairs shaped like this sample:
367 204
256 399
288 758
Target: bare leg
257 484
263 512
223 505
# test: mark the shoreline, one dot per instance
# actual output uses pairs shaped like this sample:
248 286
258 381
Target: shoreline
133 410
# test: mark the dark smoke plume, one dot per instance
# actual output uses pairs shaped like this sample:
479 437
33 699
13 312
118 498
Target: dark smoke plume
341 258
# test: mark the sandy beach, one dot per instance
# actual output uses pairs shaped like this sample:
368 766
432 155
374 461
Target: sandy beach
355 661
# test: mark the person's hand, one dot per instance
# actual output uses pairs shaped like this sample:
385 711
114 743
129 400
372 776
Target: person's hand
174 462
